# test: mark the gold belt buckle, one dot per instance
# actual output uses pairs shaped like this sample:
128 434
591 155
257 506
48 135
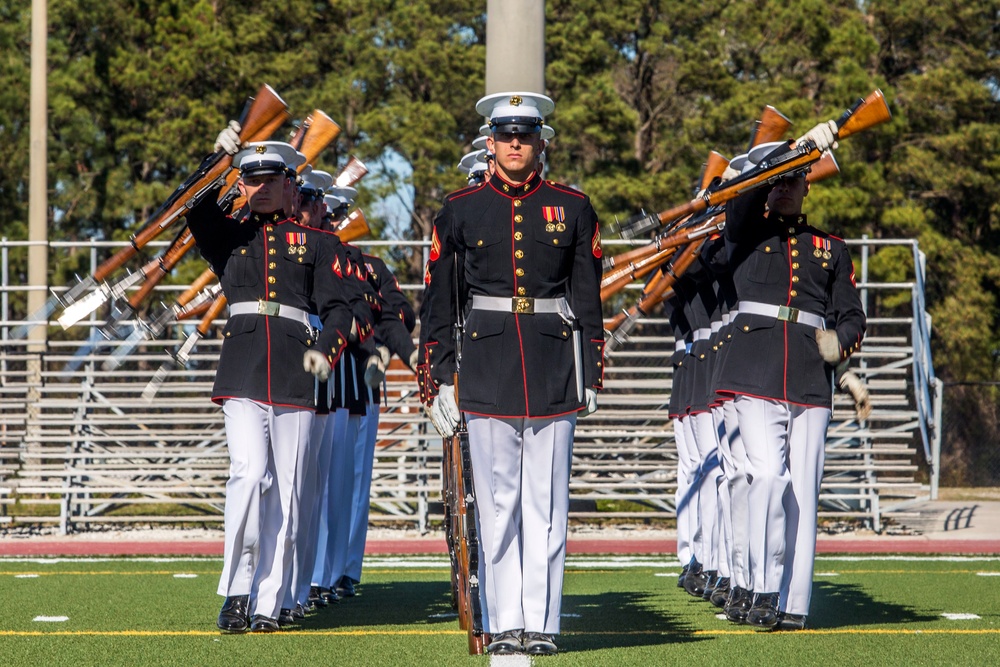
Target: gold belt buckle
788 314
524 305
269 308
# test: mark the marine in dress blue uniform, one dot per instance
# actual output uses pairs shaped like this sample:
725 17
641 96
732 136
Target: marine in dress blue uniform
274 273
790 278
518 258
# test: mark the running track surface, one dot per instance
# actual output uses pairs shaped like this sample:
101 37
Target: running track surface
436 545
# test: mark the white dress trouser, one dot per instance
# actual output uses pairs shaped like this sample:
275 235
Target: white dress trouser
707 440
521 470
724 521
735 467
310 497
261 512
685 474
364 463
691 498
782 440
341 496
334 439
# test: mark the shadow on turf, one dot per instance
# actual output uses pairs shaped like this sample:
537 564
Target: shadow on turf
839 605
607 620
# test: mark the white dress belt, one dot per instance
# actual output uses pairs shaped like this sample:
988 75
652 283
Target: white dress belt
783 313
270 309
523 305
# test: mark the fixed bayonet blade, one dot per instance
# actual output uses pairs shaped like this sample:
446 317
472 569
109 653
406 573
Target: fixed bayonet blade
80 309
154 384
186 348
139 334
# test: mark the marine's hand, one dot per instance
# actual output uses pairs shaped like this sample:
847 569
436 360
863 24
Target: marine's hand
314 362
590 402
852 384
229 139
444 412
823 135
829 346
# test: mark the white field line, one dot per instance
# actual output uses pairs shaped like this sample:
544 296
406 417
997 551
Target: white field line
581 562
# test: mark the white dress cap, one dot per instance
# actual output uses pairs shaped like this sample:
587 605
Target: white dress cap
516 112
316 180
267 157
344 192
761 151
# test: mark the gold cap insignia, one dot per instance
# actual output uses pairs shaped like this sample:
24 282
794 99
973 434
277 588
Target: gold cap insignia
261 149
515 101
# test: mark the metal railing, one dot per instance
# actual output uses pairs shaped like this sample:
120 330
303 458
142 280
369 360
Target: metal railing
93 451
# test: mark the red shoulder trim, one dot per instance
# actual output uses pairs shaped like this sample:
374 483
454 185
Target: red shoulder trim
458 194
565 189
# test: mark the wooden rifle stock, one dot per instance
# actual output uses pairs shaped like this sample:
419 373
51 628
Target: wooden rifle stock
714 166
200 283
654 253
824 168
771 126
320 131
866 113
657 288
352 172
161 267
212 314
263 111
354 227
615 281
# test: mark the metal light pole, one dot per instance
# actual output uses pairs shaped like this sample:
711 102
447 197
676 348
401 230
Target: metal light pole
38 203
515 46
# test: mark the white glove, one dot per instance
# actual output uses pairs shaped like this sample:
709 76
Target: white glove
444 411
823 135
314 362
852 384
414 359
353 336
229 139
829 346
590 402
729 174
375 366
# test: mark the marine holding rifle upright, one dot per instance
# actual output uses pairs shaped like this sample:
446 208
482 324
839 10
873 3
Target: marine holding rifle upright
274 273
799 317
518 259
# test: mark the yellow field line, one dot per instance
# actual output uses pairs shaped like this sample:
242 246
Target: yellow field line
397 633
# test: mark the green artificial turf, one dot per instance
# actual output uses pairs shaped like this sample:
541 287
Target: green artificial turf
866 611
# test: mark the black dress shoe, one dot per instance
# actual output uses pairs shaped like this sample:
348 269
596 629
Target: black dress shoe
788 621
261 623
695 580
345 587
680 577
285 617
507 642
329 595
539 643
738 604
298 612
235 616
710 584
764 610
316 597
720 592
